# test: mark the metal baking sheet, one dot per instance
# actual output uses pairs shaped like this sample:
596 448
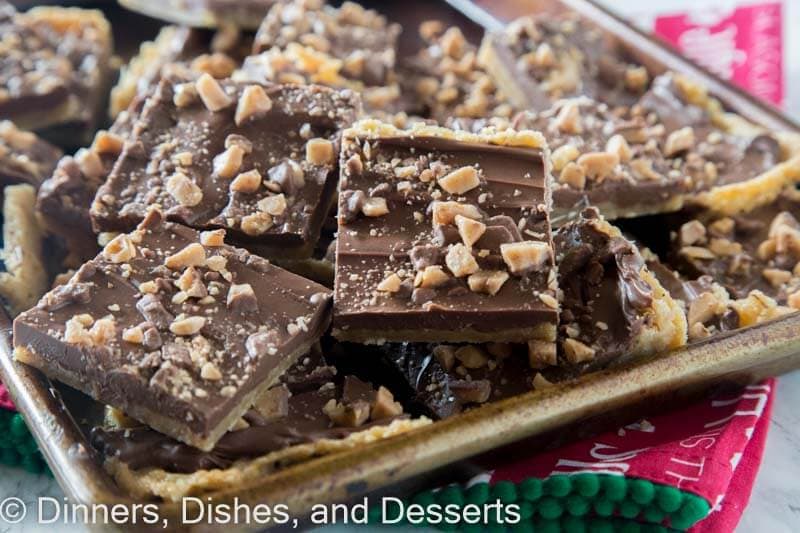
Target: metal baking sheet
59 417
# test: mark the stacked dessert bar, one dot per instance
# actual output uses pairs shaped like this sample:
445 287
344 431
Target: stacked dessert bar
296 242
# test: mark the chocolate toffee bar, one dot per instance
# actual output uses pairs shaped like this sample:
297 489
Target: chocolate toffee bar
54 68
538 60
733 165
197 51
446 79
174 328
65 197
23 276
258 161
307 41
444 236
757 251
616 159
613 307
246 14
314 411
708 305
24 157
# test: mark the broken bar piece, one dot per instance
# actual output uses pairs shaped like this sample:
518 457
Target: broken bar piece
613 307
614 159
444 236
537 60
259 161
349 47
315 410
759 250
54 69
24 157
175 328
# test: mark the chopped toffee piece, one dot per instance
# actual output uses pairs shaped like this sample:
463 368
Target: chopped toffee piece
538 60
23 277
24 157
245 14
256 160
733 166
447 80
175 328
307 41
54 68
756 251
444 236
613 307
65 198
613 159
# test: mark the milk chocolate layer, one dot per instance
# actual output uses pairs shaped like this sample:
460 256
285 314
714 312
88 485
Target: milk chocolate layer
538 60
188 158
711 157
756 251
403 270
178 334
605 297
290 414
612 158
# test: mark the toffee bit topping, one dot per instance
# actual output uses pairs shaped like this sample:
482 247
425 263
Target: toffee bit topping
445 212
525 256
212 238
247 182
210 372
487 281
568 119
89 163
211 93
120 249
188 325
598 165
390 284
350 416
563 155
375 207
274 205
470 230
471 356
228 163
185 94
253 103
679 141
573 175
577 352
184 190
460 261
384 405
256 224
192 255
431 277
319 152
541 354
460 181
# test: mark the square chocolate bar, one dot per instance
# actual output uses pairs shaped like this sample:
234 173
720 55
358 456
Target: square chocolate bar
54 69
346 47
537 60
258 161
444 236
175 328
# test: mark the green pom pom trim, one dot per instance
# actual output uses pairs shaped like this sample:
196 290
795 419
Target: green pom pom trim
18 448
577 504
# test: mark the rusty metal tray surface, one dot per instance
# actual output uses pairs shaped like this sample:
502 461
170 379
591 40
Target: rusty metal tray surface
59 417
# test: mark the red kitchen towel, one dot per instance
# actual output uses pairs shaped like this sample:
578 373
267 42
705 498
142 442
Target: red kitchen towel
672 470
5 400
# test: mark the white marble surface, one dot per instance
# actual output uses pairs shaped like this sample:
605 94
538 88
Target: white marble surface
774 506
